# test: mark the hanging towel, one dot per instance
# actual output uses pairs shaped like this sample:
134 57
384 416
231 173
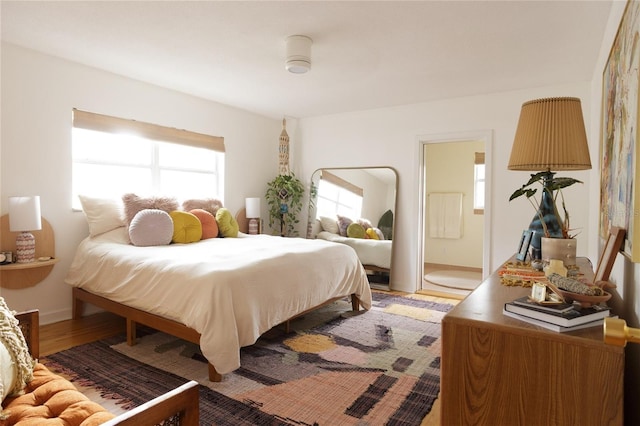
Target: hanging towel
445 215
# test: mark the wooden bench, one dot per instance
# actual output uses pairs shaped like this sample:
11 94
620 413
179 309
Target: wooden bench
179 406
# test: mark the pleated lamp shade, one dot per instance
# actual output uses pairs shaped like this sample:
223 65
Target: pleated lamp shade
550 136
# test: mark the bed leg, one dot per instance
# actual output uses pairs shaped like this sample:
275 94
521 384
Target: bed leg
131 332
355 303
76 309
214 376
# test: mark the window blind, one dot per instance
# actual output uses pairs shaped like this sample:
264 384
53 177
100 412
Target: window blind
107 123
338 181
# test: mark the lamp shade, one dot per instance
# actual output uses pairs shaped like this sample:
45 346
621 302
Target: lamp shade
550 136
24 214
252 205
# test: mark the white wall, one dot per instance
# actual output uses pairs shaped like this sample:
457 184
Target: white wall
390 137
38 93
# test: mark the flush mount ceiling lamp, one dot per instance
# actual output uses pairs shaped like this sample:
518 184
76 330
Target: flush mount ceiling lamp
298 59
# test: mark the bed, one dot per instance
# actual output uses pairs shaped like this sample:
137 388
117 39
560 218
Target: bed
222 293
373 254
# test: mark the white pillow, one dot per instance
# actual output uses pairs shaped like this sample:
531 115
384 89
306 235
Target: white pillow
315 228
8 372
329 224
151 227
103 214
22 363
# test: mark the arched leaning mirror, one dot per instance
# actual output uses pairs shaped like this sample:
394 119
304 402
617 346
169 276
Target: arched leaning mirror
356 206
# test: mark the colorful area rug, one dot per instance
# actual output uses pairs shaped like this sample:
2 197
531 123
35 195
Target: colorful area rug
335 367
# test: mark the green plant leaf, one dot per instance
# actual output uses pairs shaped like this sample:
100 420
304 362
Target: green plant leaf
554 188
289 190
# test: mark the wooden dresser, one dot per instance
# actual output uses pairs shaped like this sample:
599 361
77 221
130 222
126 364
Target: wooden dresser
497 370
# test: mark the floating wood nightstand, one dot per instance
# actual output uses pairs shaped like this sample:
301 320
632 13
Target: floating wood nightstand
22 275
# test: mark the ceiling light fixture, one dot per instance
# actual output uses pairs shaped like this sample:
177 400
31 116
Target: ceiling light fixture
298 59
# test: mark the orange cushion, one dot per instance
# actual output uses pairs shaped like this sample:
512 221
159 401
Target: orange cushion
208 221
50 399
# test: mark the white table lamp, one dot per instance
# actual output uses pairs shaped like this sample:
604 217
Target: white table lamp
252 206
24 216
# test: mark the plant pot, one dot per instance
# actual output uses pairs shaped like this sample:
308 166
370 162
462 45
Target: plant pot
559 248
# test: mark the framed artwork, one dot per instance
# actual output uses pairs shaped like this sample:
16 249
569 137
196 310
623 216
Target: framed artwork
619 197
523 247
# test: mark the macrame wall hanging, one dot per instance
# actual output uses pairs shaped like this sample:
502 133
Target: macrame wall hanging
283 158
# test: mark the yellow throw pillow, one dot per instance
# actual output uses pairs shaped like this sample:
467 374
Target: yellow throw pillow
186 227
227 223
371 234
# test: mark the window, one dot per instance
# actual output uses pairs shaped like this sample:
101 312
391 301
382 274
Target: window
336 196
114 156
478 183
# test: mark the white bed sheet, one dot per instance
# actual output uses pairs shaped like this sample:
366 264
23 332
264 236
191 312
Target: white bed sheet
230 290
370 252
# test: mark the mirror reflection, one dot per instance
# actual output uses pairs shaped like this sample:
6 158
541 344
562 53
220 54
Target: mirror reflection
356 206
454 198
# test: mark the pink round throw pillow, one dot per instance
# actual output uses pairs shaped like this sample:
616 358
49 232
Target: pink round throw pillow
208 221
151 227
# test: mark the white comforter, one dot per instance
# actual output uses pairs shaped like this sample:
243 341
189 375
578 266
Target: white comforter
370 252
230 290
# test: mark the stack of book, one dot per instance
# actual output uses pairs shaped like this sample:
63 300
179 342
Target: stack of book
561 318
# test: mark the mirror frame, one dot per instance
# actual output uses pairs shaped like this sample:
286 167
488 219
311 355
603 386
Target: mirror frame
312 212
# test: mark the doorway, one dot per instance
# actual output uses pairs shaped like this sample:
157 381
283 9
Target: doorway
454 215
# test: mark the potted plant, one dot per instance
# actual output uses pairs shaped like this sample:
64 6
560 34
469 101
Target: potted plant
284 197
548 222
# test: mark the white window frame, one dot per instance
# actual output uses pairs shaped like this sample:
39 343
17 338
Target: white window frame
479 185
344 190
158 137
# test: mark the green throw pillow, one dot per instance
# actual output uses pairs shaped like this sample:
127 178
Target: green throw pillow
355 230
385 224
227 224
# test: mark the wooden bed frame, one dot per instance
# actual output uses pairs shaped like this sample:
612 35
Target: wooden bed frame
134 316
375 268
180 406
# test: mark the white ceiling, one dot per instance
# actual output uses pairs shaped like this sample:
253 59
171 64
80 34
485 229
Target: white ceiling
365 54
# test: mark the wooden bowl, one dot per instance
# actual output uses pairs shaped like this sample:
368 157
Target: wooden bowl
584 300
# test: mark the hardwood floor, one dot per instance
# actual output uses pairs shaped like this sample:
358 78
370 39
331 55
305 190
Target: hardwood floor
66 334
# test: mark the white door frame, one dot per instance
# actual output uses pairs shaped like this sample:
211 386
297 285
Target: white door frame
480 135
